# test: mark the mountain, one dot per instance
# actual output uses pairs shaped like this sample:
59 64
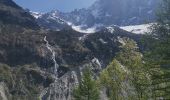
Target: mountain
19 32
103 13
21 42
13 14
124 12
51 21
76 51
36 63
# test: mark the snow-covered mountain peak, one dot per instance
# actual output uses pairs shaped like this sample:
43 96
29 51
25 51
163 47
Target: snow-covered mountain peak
36 14
102 13
55 13
110 29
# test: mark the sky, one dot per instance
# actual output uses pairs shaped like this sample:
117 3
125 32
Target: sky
48 5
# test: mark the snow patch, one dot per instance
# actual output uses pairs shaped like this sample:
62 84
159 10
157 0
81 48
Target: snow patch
83 28
110 29
138 29
56 18
36 14
80 29
102 41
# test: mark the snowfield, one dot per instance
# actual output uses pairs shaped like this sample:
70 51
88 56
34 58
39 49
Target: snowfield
84 28
138 29
88 30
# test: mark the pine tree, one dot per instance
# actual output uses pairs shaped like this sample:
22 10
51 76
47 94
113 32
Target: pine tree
158 54
126 77
132 59
112 79
87 89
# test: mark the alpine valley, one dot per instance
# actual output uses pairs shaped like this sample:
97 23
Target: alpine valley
43 55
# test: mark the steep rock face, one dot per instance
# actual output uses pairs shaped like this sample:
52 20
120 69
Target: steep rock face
124 12
103 13
51 21
63 88
105 43
4 92
22 82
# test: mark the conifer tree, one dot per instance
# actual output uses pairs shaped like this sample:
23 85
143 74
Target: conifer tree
158 54
132 59
112 79
126 77
87 89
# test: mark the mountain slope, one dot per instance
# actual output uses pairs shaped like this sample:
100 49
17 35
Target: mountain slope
20 56
124 12
104 13
138 29
14 15
51 21
19 32
28 54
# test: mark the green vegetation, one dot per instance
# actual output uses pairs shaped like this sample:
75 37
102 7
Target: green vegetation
87 89
126 77
112 79
131 58
158 53
5 74
131 75
148 75
23 82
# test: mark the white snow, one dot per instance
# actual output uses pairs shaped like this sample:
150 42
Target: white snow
111 29
138 29
102 41
36 14
83 29
56 18
88 30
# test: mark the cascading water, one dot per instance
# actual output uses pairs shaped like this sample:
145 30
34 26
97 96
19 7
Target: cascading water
49 47
62 87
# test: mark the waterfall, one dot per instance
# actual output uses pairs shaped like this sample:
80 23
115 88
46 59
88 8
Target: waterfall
49 47
62 87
